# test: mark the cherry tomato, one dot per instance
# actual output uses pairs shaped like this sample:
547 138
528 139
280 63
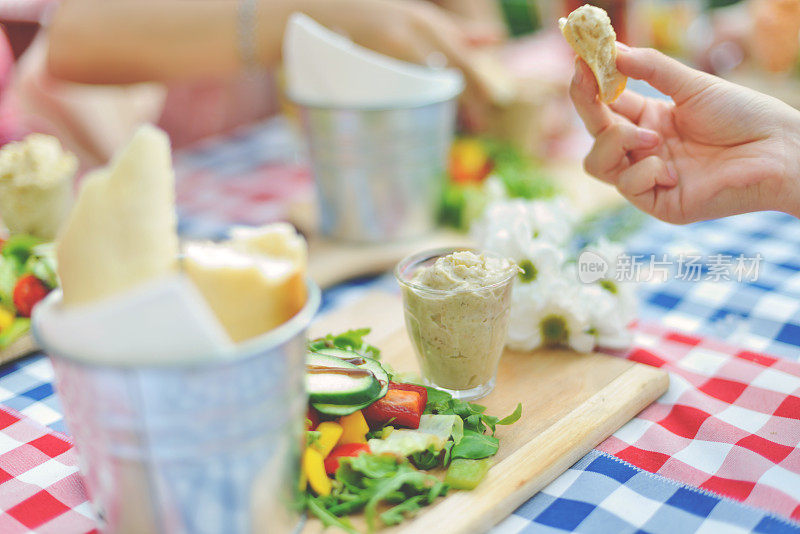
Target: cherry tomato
27 293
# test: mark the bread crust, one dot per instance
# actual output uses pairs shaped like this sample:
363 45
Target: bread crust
588 30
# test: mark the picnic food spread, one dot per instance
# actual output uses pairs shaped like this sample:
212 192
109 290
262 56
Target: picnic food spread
373 443
588 30
118 257
457 313
35 196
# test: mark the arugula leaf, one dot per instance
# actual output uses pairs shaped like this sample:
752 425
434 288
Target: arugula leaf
316 507
312 436
19 247
366 481
474 446
373 465
396 514
8 279
429 458
513 417
352 340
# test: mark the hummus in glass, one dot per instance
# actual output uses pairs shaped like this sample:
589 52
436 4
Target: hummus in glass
36 177
456 309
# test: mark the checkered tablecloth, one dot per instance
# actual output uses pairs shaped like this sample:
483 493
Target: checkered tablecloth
721 429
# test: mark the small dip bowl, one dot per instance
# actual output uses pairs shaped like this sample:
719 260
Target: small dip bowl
457 334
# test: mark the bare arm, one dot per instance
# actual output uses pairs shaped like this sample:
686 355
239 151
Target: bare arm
128 41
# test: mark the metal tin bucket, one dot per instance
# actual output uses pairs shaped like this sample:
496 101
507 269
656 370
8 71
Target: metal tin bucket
379 173
203 448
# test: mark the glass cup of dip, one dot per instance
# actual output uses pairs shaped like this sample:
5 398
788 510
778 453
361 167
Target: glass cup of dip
456 304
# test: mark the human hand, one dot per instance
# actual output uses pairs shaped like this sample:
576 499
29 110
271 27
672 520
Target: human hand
717 149
418 32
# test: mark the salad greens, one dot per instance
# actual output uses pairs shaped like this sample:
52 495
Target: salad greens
365 481
509 172
440 402
390 470
22 255
352 340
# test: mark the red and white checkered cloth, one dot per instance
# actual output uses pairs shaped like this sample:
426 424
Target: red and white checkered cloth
40 488
261 195
730 422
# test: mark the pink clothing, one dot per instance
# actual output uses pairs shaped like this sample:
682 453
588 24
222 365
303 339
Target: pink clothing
197 109
10 124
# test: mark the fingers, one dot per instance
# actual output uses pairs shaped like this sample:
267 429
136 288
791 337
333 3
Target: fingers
609 155
583 92
630 105
642 183
668 75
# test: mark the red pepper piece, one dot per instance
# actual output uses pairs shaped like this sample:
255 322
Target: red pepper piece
398 408
342 451
423 392
27 294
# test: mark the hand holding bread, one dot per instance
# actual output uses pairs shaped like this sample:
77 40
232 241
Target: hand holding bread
715 149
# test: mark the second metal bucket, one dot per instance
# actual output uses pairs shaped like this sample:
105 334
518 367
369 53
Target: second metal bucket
202 448
379 173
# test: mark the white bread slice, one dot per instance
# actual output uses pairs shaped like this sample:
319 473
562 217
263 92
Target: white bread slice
277 240
254 282
588 30
122 230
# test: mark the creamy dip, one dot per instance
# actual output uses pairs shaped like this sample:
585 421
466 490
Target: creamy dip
456 313
36 185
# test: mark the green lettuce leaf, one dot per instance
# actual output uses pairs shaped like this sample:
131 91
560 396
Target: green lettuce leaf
352 340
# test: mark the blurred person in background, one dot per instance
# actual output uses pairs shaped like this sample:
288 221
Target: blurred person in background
100 68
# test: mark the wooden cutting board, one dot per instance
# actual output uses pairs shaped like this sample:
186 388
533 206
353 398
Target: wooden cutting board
21 347
570 403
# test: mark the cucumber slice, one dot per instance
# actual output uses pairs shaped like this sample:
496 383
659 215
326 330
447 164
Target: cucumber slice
339 410
368 363
345 383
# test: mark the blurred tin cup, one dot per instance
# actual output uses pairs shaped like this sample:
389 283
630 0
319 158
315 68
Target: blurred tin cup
379 171
191 448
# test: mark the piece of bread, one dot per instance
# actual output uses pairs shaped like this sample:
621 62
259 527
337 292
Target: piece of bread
588 30
122 230
253 282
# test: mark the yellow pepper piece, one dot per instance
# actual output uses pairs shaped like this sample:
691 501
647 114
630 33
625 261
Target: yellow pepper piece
330 433
355 428
314 469
302 482
6 318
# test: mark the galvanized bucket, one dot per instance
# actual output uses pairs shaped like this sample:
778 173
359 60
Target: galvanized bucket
204 448
379 173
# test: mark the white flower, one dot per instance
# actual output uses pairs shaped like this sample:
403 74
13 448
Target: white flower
551 221
624 292
611 303
548 315
607 322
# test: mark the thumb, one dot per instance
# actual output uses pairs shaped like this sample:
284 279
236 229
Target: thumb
668 75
